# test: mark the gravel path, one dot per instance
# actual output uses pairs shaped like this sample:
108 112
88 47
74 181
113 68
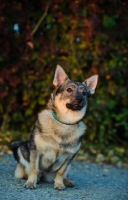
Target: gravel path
92 182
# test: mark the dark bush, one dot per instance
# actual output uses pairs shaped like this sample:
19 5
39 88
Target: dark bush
85 37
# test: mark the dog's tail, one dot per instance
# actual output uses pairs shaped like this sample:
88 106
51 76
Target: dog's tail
14 147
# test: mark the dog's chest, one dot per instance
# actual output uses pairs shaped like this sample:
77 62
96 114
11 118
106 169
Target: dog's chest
69 140
61 146
53 159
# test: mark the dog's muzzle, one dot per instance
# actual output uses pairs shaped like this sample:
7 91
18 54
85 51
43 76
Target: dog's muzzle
76 104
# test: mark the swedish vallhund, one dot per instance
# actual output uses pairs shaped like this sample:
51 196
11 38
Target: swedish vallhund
57 134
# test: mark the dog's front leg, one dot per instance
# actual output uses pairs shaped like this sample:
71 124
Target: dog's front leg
58 181
34 164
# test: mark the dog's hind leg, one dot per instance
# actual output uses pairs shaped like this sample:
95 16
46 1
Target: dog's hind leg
20 172
68 182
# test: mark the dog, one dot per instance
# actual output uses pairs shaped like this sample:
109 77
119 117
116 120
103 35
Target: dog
57 134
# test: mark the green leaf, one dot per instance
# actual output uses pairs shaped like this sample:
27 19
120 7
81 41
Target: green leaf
108 21
84 13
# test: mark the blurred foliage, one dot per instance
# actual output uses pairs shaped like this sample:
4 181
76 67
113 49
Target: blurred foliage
85 37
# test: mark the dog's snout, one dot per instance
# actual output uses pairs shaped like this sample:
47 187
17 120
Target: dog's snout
79 98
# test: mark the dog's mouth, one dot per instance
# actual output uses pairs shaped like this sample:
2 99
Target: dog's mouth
76 105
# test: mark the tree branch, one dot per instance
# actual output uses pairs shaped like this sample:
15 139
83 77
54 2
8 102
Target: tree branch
41 19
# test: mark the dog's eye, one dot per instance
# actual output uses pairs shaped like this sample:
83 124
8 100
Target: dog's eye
69 90
84 93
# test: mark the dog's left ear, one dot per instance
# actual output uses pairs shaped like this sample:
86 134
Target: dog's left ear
60 76
91 83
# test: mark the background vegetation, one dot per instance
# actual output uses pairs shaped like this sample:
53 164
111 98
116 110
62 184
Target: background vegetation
86 37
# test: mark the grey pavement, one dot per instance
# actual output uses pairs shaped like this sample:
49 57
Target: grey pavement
92 182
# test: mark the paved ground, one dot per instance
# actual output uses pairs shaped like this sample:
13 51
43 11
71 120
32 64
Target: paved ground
92 182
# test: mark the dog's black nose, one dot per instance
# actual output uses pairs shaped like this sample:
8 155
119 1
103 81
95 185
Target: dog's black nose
79 99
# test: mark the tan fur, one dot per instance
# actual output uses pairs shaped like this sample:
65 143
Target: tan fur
20 172
34 169
59 183
68 116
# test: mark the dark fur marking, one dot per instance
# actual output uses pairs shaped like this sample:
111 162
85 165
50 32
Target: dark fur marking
70 144
25 151
49 169
72 158
31 142
14 147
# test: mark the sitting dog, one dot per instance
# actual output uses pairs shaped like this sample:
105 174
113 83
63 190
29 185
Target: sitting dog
57 134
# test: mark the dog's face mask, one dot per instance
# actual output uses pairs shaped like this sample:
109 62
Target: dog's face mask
73 95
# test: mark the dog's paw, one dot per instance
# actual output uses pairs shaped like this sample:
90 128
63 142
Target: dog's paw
68 183
38 179
59 186
30 185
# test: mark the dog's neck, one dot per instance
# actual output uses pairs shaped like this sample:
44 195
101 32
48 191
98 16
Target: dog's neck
57 119
67 116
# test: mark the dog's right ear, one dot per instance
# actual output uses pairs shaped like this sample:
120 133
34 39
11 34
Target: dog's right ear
60 76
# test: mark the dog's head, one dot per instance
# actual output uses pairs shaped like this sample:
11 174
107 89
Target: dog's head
70 97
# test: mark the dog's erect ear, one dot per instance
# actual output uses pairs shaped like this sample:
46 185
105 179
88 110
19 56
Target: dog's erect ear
91 83
60 76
